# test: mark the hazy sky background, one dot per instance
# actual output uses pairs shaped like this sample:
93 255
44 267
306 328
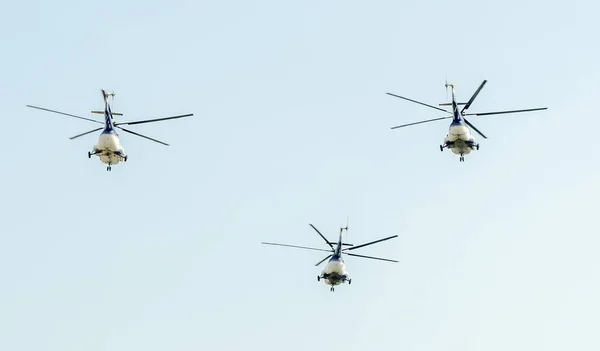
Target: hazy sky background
291 127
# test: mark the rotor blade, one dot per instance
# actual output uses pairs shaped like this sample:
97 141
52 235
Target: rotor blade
373 258
420 103
154 120
426 121
503 112
323 260
473 97
343 244
295 246
370 243
66 114
473 127
82 134
143 136
327 241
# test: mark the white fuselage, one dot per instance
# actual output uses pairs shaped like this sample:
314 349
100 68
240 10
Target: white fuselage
461 139
108 144
335 272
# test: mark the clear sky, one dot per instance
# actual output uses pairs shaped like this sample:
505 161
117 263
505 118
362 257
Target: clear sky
291 127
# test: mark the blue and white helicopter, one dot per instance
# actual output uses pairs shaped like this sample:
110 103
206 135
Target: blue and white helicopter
459 138
109 148
335 272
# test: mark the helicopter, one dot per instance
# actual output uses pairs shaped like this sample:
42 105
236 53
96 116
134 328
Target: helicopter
335 272
109 149
459 138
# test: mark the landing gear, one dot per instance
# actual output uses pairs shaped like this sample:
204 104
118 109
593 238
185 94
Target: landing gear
332 289
462 158
442 148
477 146
318 278
89 154
125 158
349 281
108 168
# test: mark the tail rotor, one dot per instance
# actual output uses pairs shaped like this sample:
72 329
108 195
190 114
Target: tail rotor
113 97
343 241
346 227
446 85
107 95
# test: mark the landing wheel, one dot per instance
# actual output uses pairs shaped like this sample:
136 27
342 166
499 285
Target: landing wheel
477 146
108 168
441 148
318 278
332 289
349 281
125 158
89 154
462 159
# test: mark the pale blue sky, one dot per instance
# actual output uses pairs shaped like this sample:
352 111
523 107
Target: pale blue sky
291 126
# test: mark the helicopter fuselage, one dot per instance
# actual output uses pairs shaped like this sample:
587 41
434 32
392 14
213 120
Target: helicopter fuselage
459 139
109 149
335 272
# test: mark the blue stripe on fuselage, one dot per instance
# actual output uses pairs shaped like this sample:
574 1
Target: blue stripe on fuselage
109 128
336 258
457 117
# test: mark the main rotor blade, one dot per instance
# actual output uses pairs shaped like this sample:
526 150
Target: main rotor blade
426 121
154 120
143 136
295 246
66 114
323 260
503 112
473 97
370 243
373 258
327 241
82 134
473 127
420 103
